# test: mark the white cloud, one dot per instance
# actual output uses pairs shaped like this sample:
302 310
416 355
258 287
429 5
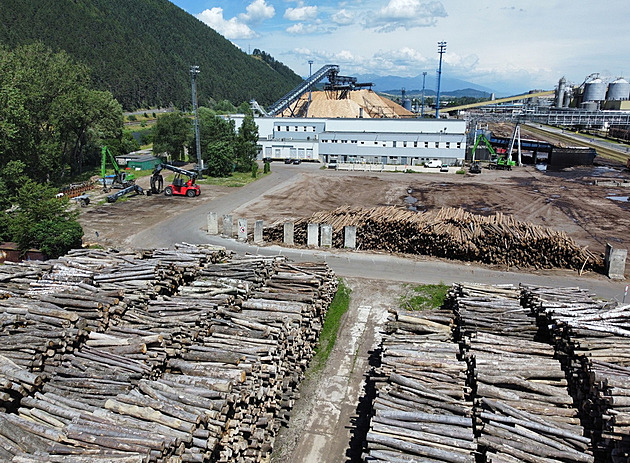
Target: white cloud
405 14
230 28
301 28
301 13
342 17
257 11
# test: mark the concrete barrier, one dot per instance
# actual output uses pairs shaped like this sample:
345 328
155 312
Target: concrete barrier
327 235
312 235
615 262
289 229
350 236
213 223
242 230
228 226
258 232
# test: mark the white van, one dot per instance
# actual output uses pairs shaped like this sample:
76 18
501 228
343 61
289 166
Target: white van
433 163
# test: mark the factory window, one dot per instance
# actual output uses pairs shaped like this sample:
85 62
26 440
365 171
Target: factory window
296 128
459 145
426 144
404 144
287 128
393 144
437 144
353 141
376 143
362 142
448 144
415 144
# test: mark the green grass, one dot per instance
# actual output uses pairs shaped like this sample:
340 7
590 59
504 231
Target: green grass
237 179
423 297
461 171
328 336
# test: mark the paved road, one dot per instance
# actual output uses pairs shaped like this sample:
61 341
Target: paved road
190 227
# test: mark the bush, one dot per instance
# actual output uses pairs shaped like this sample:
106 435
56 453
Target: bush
254 169
266 168
132 118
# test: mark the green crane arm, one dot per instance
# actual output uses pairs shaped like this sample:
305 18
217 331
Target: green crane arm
483 138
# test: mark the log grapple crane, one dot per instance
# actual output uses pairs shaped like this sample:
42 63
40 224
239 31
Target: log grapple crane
121 178
179 186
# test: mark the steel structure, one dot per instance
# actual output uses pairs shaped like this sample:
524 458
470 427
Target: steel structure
576 118
441 51
285 101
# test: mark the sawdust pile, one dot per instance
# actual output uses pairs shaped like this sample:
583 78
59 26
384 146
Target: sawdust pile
358 103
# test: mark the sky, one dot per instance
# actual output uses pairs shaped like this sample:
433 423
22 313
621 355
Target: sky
508 46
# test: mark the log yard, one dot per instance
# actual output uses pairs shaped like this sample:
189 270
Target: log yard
196 326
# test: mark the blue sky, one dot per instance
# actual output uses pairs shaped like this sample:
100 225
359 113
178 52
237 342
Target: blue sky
506 45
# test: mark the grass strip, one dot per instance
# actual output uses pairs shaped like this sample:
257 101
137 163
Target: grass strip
328 336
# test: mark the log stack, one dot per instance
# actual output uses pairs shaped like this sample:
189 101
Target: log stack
420 409
199 359
451 233
592 339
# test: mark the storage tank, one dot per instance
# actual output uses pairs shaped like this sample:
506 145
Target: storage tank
618 90
595 90
560 92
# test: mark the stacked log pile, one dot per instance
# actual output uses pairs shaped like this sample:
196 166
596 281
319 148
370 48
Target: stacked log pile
523 409
451 233
209 373
421 408
507 384
592 339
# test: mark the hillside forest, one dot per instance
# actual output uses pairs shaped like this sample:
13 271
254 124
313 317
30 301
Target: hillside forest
141 51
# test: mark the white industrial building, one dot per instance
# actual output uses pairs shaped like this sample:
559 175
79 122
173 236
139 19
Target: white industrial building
379 141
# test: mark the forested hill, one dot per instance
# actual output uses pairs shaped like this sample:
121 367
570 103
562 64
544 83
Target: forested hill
142 50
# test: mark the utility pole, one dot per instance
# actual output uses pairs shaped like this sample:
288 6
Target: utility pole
310 74
441 51
424 79
194 71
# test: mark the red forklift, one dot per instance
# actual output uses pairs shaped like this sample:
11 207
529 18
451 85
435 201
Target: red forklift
179 186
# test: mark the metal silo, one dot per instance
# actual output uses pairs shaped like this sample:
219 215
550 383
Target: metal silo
560 92
595 90
618 90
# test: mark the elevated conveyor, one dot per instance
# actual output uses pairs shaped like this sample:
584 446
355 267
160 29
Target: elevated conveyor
286 101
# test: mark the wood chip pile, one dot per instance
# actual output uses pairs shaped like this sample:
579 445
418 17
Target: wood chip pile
592 340
451 233
357 103
480 358
180 355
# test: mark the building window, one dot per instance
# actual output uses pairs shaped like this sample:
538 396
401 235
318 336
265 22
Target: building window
437 144
415 144
459 145
404 144
393 144
426 144
448 144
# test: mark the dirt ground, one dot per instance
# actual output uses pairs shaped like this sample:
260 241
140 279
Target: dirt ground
565 200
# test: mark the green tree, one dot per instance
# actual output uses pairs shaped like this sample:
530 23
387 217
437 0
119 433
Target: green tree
247 140
224 107
218 143
171 133
41 220
221 160
49 117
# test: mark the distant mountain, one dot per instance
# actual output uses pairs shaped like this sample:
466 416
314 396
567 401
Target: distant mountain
390 84
142 50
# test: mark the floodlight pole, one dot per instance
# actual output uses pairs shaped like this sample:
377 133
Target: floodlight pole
310 88
441 51
424 78
194 71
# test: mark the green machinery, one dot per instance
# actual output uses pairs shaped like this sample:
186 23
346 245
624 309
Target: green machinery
500 162
120 179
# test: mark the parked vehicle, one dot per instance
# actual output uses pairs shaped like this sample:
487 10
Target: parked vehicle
433 163
444 168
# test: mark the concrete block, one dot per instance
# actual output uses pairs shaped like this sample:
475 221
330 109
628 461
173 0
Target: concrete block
241 233
327 236
213 223
615 262
350 236
312 235
289 229
258 232
228 226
